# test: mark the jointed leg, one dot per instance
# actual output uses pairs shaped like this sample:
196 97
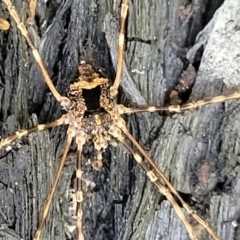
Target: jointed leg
116 133
162 189
168 184
79 194
114 88
157 177
70 136
80 140
21 133
32 10
64 101
179 108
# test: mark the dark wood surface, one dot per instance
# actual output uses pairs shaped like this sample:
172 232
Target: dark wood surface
198 150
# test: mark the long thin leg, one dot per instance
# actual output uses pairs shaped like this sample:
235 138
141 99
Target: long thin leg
115 131
21 133
32 8
80 140
179 108
162 189
155 174
124 10
168 184
64 101
79 195
70 136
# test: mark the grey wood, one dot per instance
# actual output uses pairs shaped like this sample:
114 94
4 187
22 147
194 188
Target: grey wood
120 202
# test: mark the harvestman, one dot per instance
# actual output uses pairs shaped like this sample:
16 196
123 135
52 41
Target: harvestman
103 127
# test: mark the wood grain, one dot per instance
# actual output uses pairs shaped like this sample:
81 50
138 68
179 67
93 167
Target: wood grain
121 203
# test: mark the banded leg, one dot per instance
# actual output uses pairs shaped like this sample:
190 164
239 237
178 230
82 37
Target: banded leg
80 140
169 185
21 133
162 189
179 108
158 178
116 133
70 135
121 39
64 101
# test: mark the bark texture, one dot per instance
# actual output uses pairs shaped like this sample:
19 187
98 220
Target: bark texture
198 150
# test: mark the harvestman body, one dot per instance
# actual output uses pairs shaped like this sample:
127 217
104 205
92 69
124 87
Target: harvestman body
103 126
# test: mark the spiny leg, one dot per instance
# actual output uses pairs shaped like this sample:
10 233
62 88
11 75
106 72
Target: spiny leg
121 38
64 101
70 135
180 108
21 133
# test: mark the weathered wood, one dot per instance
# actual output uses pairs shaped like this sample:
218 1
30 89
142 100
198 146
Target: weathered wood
122 203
